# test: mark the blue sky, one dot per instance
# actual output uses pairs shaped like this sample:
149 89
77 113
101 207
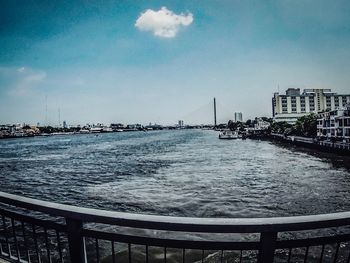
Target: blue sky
93 63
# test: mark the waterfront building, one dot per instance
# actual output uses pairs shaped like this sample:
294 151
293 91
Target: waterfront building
134 126
261 124
334 124
117 126
238 117
181 123
293 104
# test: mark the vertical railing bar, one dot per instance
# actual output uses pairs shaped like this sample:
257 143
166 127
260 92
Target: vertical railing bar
348 261
15 239
222 256
59 246
322 252
183 255
25 241
289 255
336 253
129 252
48 253
146 253
113 252
97 251
202 255
164 254
36 244
306 254
267 247
4 226
84 254
76 241
241 256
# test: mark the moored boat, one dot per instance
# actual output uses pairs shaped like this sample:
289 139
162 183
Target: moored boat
229 135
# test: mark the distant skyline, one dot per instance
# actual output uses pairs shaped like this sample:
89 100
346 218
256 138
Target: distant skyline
164 61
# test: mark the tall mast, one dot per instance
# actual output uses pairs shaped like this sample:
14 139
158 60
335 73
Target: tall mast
59 117
214 112
46 110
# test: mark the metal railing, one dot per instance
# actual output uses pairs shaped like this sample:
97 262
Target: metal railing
39 231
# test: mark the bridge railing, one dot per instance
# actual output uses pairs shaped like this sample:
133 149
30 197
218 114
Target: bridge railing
40 231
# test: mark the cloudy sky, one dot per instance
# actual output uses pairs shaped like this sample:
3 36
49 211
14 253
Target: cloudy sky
161 61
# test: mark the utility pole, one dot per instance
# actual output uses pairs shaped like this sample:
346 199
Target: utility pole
46 110
214 112
59 117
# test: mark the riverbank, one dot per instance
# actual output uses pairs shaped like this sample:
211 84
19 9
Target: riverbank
341 148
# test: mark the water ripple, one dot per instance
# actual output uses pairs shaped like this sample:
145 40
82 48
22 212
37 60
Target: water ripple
185 173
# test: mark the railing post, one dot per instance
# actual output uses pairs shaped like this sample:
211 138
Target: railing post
75 240
267 247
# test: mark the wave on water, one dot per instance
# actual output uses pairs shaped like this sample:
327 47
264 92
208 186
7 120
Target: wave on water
183 173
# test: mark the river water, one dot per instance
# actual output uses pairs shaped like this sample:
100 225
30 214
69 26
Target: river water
181 172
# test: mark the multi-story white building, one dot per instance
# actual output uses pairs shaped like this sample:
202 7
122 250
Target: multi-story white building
334 123
238 117
294 104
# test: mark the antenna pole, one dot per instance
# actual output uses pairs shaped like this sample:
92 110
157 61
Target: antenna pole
46 110
214 112
59 117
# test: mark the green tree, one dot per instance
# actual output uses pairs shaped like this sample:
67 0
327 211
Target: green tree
235 125
307 125
281 127
270 120
231 125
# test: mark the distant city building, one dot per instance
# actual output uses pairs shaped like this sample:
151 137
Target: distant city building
134 126
117 126
238 117
181 123
293 105
64 124
334 123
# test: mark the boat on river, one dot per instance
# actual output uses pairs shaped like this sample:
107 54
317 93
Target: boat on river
229 135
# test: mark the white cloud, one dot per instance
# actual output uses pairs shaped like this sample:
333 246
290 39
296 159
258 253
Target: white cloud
163 23
21 81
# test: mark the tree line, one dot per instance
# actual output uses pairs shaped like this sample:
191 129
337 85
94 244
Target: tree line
305 126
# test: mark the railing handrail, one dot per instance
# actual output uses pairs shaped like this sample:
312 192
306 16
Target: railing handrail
185 224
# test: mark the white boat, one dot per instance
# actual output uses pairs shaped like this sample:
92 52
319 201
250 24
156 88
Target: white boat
229 135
